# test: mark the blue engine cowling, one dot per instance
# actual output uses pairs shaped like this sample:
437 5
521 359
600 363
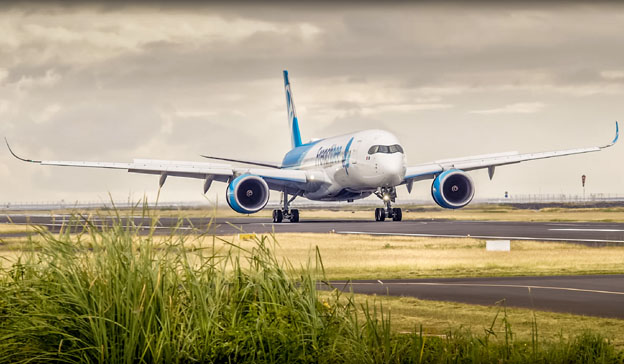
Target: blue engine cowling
452 189
247 194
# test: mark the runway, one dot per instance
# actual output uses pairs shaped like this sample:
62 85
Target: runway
583 295
595 234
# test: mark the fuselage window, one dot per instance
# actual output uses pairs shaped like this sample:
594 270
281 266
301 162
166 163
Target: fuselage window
387 149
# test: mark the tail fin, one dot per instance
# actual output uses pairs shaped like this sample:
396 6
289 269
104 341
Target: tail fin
293 122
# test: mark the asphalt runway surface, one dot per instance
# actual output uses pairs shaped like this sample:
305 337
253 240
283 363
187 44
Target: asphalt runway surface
587 295
596 234
599 295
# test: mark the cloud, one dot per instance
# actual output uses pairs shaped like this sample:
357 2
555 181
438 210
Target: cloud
613 75
4 106
46 114
50 78
517 108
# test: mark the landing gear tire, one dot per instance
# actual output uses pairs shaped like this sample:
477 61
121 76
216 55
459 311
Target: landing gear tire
380 214
294 215
277 216
397 214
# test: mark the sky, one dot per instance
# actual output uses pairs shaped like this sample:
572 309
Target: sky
116 82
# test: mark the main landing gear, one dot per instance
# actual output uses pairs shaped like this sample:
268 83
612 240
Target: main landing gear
388 195
291 215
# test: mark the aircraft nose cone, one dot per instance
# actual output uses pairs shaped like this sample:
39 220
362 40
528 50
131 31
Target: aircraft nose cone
393 170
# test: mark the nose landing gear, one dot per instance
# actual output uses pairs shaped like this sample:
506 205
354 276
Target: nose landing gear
388 195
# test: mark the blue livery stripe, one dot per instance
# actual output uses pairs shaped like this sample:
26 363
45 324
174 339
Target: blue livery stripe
295 156
293 122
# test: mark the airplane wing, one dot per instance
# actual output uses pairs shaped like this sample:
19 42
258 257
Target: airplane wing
490 161
277 179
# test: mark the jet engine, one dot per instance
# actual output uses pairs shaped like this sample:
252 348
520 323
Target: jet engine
452 189
247 194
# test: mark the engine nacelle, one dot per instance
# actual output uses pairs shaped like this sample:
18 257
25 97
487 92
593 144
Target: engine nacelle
452 189
247 194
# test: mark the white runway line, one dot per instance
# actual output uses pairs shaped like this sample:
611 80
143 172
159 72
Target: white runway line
492 285
480 237
595 230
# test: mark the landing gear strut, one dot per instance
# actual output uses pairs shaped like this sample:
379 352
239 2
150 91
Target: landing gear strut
388 195
291 215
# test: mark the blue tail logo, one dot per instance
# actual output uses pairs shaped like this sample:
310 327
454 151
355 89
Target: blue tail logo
293 122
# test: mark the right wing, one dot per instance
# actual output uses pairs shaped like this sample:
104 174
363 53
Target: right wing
490 161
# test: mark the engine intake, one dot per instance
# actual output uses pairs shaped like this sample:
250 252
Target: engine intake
452 189
247 194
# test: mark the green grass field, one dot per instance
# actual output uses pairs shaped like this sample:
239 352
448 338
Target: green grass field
115 296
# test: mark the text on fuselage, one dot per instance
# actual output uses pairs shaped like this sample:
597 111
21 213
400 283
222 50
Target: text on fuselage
329 155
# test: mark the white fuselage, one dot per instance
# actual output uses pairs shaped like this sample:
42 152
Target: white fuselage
349 166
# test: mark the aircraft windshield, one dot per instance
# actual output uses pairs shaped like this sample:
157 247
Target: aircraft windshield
387 149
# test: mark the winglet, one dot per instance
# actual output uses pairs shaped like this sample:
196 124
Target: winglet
617 135
18 157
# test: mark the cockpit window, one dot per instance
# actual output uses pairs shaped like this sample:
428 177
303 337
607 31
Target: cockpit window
395 148
387 149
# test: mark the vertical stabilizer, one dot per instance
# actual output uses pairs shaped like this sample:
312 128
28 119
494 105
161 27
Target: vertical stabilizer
293 122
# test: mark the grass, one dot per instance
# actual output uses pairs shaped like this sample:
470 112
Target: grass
14 229
114 296
387 257
438 318
396 257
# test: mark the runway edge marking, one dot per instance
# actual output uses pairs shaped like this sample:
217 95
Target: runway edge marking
493 285
478 237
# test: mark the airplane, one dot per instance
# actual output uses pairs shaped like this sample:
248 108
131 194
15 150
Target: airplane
342 168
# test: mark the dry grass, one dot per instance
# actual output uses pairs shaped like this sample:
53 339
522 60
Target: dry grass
395 257
438 318
364 256
14 228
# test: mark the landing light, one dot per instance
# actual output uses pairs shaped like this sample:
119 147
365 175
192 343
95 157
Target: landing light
386 197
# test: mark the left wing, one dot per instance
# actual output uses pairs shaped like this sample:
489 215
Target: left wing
490 161
277 179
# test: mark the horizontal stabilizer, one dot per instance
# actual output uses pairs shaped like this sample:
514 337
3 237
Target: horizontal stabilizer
253 163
